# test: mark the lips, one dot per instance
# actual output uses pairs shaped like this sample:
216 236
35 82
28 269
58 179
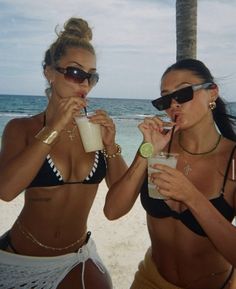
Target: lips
81 94
175 115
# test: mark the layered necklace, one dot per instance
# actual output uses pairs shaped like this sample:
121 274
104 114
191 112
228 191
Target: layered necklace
187 167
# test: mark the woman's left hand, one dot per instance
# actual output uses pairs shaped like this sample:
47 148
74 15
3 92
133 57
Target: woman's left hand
173 184
108 127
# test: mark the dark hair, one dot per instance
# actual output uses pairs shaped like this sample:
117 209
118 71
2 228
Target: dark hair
76 33
224 121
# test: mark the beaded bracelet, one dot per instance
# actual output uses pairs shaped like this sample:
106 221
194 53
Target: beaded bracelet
112 156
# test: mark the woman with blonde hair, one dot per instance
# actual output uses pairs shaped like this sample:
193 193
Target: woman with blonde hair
49 245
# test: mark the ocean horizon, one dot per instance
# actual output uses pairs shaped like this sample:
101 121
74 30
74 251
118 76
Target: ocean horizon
127 113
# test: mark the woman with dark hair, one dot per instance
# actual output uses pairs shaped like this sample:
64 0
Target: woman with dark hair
49 245
192 236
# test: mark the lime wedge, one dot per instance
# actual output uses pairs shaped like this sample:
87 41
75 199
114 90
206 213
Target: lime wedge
146 150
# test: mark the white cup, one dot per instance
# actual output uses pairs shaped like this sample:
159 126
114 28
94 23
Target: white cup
90 134
162 158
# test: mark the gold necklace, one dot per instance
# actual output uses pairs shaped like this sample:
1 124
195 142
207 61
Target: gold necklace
28 235
71 132
187 167
203 153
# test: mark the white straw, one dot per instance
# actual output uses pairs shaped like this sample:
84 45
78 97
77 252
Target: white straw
233 169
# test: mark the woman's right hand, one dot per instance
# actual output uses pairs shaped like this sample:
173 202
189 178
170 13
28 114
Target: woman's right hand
153 132
61 111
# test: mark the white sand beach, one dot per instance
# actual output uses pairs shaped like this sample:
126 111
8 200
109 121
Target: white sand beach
121 243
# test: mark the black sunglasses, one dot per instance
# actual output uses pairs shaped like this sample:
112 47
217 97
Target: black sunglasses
181 96
75 74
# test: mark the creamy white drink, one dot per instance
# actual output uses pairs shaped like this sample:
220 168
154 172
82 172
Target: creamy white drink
90 134
162 158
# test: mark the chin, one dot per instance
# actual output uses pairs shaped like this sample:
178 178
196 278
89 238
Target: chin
184 124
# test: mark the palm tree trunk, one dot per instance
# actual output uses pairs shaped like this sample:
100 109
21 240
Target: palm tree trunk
186 29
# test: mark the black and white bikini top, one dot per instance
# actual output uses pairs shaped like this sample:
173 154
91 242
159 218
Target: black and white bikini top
159 209
48 175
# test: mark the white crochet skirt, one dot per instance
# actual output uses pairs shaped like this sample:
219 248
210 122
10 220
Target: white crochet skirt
27 272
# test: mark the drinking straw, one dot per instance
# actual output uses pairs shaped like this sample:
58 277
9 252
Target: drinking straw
85 111
171 138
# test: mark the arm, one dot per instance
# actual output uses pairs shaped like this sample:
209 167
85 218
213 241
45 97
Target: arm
115 164
20 159
123 194
219 230
16 166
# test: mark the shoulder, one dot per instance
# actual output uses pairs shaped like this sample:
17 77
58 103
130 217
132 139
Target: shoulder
19 129
227 153
228 146
22 125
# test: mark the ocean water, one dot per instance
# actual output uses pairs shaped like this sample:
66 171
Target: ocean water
126 113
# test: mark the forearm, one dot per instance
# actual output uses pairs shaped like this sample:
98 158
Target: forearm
123 194
218 229
116 165
116 168
18 172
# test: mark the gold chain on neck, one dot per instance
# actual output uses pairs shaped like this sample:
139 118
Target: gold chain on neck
28 235
71 132
203 153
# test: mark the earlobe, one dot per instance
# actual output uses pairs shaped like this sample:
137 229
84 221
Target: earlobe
214 92
48 74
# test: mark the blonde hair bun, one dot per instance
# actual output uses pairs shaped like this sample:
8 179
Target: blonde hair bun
77 27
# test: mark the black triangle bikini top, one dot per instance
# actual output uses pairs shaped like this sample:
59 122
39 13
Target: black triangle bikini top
48 175
159 209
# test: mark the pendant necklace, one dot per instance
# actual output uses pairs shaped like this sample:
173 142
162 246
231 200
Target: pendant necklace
71 132
187 167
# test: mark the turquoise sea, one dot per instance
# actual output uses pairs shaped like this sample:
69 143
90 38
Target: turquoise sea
126 113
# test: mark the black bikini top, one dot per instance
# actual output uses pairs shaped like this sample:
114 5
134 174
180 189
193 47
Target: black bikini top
158 208
48 175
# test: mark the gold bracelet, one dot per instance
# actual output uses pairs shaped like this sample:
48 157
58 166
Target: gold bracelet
47 135
112 156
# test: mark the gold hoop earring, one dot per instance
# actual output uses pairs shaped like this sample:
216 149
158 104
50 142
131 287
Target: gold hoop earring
212 105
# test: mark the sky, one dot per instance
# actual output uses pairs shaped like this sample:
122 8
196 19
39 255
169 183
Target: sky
134 42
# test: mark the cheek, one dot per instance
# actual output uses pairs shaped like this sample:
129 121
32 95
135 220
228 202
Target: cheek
63 88
201 106
194 113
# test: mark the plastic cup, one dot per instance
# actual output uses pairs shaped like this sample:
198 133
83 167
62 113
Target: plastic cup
169 159
90 134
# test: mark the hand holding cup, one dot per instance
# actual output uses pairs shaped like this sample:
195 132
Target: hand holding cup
90 133
169 159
